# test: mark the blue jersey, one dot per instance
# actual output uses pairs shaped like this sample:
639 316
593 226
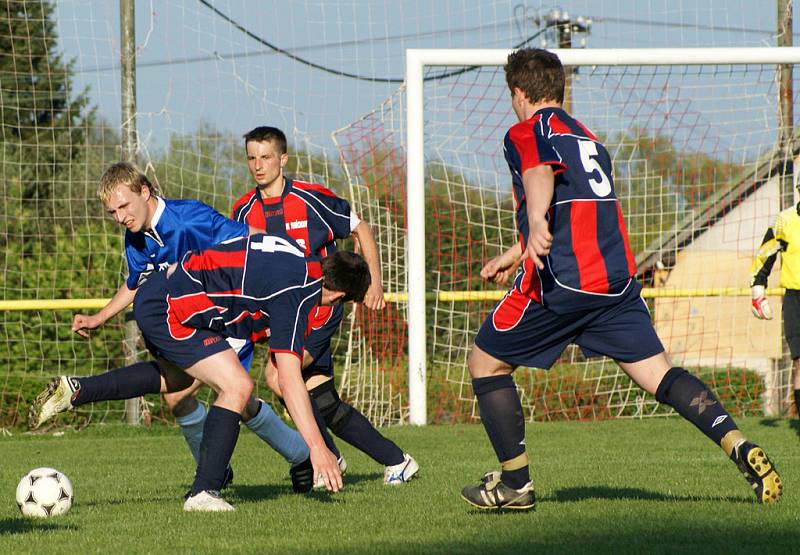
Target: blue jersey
246 288
308 213
590 262
178 226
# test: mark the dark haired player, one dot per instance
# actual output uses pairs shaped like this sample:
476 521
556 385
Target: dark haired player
576 285
315 217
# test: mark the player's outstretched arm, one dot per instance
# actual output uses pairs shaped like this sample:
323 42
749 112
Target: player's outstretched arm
539 183
369 249
299 404
501 267
81 323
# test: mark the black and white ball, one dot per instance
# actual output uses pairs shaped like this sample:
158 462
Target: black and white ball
44 492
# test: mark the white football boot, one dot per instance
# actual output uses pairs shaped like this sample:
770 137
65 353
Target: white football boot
56 398
402 472
207 501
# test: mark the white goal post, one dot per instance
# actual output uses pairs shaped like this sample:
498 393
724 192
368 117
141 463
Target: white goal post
416 62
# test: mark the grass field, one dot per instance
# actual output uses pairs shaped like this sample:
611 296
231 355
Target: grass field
603 487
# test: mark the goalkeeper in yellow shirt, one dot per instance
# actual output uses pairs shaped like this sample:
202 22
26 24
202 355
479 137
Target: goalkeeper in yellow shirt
783 237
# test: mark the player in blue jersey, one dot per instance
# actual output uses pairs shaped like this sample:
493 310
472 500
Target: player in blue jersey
159 232
315 218
576 285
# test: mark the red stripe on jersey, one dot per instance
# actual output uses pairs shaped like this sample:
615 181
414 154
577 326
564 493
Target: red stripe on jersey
313 187
524 140
213 260
509 312
187 306
247 314
176 329
314 269
591 265
624 232
530 285
319 316
557 126
295 215
254 216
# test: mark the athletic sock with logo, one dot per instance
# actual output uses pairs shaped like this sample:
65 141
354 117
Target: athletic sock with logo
693 400
502 417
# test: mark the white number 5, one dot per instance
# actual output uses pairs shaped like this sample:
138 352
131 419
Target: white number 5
588 149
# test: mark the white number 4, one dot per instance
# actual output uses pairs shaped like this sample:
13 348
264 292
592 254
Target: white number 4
270 243
588 149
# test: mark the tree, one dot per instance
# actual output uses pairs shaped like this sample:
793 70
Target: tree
43 123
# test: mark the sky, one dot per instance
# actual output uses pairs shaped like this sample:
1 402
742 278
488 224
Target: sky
195 67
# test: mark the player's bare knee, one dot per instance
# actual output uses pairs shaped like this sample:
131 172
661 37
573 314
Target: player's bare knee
483 365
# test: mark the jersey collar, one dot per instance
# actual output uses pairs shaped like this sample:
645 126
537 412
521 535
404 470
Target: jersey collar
153 232
287 185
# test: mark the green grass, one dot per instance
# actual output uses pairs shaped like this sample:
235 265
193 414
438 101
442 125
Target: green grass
652 486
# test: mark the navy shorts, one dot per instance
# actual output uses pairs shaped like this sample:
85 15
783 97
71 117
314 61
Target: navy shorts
522 332
323 321
164 336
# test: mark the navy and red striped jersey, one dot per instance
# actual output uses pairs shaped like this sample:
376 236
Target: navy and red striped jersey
308 213
590 262
246 288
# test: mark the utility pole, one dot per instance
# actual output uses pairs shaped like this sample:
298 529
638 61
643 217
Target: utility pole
127 31
563 29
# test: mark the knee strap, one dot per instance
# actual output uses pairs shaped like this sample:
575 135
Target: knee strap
335 412
669 378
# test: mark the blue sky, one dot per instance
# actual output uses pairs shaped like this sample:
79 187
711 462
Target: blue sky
195 67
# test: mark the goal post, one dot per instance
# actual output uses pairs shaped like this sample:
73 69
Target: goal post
417 60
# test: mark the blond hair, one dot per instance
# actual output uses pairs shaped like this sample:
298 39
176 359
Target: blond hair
123 173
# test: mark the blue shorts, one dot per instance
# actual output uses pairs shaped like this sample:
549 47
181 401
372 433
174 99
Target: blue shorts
522 332
323 321
167 338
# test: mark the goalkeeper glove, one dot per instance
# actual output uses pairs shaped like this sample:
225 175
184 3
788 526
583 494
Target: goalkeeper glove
760 304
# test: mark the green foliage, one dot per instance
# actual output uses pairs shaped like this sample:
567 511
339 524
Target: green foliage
43 122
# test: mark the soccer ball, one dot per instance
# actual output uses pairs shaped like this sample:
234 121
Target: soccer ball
44 492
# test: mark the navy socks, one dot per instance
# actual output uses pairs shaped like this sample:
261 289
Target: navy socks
128 382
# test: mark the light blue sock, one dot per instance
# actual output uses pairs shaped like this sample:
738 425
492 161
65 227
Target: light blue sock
192 429
268 426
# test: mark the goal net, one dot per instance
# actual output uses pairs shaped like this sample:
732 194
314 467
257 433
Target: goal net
700 172
694 146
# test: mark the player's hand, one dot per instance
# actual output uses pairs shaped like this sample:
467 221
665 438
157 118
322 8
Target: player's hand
325 465
760 304
498 270
81 323
539 242
374 298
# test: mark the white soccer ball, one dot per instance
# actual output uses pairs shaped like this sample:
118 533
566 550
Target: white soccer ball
44 492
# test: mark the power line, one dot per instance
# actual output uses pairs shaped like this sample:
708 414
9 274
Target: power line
341 73
216 56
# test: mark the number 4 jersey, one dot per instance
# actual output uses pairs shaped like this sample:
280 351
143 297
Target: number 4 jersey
590 262
246 288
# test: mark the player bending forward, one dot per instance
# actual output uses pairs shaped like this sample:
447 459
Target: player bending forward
158 233
315 217
239 289
576 285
